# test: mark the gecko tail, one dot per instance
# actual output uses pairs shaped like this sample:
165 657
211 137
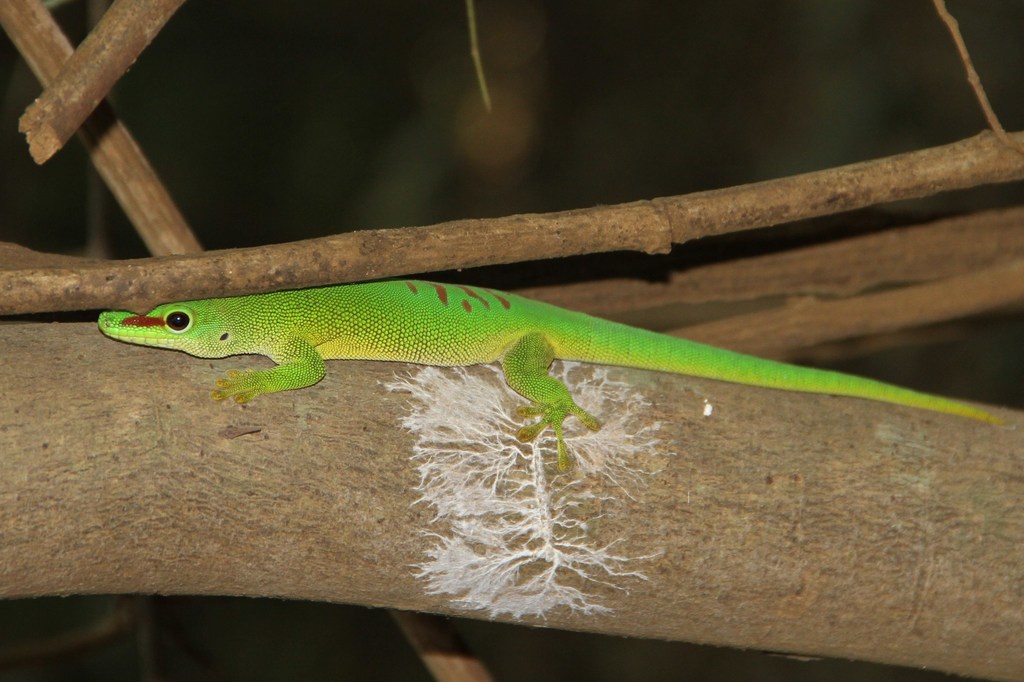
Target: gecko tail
648 350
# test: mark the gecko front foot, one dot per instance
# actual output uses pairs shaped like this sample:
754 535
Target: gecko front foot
299 366
241 386
553 416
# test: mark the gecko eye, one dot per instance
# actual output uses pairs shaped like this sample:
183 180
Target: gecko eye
178 321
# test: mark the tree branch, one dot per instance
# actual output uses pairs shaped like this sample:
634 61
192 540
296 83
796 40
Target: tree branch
88 75
117 157
646 226
925 252
786 522
806 321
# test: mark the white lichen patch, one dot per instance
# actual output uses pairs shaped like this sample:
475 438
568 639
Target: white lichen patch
511 535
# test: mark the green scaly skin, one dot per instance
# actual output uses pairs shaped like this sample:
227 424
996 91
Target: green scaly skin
448 325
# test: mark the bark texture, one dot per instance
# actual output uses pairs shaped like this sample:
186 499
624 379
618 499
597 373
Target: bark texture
785 522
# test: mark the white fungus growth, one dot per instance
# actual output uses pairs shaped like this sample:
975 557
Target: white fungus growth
511 537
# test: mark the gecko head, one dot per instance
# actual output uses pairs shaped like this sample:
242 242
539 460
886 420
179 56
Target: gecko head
190 326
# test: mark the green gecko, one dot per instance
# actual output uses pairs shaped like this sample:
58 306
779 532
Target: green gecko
449 325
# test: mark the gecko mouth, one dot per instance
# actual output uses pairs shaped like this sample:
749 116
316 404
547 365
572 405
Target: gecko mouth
128 327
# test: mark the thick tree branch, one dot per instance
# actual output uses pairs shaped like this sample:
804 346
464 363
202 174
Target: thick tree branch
786 522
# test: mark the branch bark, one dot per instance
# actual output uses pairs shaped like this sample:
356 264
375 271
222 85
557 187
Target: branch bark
787 522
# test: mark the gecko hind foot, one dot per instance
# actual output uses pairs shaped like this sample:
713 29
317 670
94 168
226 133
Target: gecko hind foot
553 416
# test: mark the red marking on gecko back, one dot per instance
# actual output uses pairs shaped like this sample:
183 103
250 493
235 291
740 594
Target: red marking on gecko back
501 299
442 293
142 321
473 294
467 306
412 287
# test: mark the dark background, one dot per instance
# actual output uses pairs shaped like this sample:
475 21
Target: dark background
273 121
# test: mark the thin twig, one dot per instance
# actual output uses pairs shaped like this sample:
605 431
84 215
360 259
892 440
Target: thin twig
474 51
973 79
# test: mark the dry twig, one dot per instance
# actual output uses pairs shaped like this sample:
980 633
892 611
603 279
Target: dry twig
972 77
88 75
115 154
